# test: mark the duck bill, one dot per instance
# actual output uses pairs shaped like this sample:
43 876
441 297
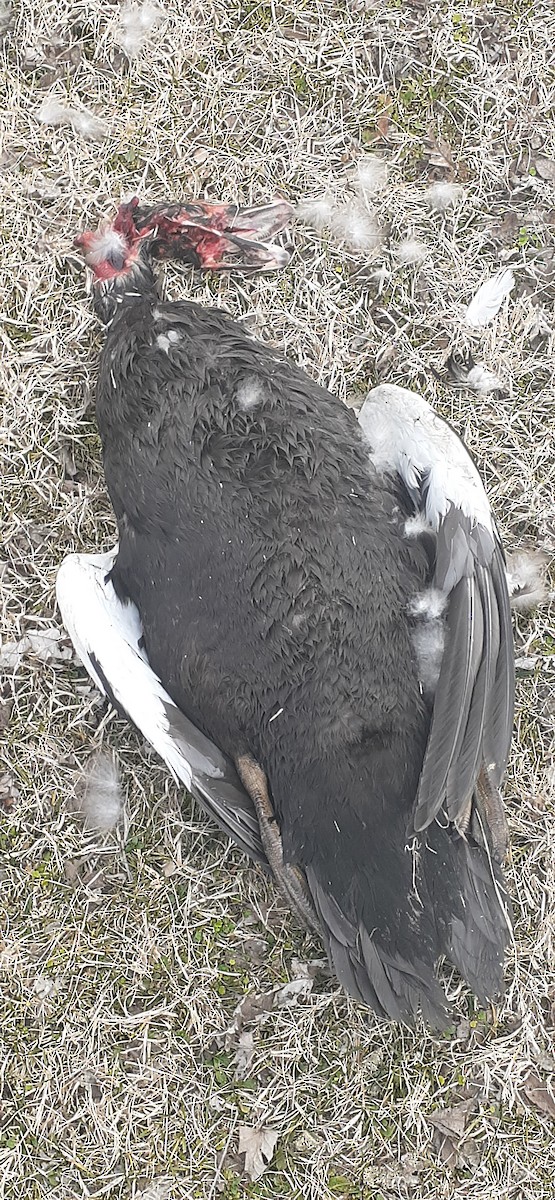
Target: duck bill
217 237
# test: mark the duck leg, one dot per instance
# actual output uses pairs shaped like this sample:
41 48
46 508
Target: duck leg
491 808
290 879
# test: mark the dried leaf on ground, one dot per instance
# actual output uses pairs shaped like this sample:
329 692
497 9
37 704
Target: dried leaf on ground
8 792
545 168
537 1094
506 230
453 1121
258 1146
449 1133
244 1054
48 645
439 152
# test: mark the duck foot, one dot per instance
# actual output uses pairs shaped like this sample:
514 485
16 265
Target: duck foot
290 879
491 808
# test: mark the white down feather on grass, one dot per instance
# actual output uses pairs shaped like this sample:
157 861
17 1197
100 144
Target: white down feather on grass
53 112
136 24
100 797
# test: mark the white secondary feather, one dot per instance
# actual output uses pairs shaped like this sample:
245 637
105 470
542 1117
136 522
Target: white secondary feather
406 436
485 305
100 624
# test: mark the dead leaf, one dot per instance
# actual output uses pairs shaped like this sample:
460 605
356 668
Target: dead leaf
244 1054
308 970
253 950
545 168
287 996
45 644
11 654
9 793
449 1140
439 152
453 1121
252 1008
536 1092
258 1146
507 229
382 125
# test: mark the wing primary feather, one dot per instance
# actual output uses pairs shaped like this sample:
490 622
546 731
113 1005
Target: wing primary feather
498 725
452 700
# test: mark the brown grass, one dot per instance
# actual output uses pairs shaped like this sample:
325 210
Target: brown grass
122 959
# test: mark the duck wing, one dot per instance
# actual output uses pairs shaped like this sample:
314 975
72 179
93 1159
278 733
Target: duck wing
107 635
472 716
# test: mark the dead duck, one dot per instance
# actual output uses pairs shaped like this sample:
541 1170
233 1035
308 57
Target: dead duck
307 615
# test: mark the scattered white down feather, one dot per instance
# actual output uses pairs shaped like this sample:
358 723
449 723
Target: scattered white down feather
474 376
371 173
101 798
103 245
441 196
356 227
428 639
316 212
479 379
406 436
410 251
526 579
428 635
136 23
485 305
52 112
428 605
417 525
249 393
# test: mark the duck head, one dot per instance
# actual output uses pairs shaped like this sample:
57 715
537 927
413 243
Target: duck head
210 237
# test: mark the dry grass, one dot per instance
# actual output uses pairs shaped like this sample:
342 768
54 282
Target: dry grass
123 959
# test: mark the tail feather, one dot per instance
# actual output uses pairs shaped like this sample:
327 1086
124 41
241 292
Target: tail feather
472 910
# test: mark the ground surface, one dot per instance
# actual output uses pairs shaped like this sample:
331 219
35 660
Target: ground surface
123 958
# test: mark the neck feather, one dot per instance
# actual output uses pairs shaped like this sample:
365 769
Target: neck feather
110 294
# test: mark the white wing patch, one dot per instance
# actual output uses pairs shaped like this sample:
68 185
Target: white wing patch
108 637
406 436
102 628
